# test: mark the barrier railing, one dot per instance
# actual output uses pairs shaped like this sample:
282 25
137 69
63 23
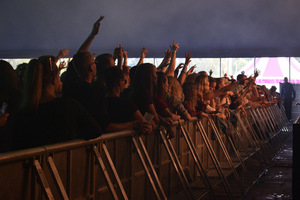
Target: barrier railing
206 156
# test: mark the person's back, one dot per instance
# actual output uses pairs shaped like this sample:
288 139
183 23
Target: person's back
58 120
288 93
287 90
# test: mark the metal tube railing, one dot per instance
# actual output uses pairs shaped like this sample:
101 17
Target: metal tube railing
77 169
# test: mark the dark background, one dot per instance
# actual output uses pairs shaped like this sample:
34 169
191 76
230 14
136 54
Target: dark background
208 28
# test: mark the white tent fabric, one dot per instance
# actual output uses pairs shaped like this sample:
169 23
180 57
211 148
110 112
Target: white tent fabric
208 28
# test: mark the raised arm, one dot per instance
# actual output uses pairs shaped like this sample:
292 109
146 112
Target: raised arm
144 51
62 53
183 73
87 43
171 68
125 56
177 69
119 55
164 63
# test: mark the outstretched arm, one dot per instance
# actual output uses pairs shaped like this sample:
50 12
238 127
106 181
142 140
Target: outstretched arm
87 43
125 56
183 73
144 51
164 63
177 69
62 53
119 56
171 68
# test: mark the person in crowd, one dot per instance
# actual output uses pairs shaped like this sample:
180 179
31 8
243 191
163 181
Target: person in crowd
142 91
223 101
79 85
79 79
276 96
20 74
202 83
165 62
160 104
175 98
45 118
184 72
132 70
212 84
10 99
171 68
10 93
191 100
288 93
122 110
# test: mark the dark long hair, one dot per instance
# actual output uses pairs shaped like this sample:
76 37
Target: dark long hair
161 80
9 90
143 81
38 74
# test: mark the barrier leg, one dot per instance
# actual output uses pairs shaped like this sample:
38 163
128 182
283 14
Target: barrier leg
152 167
176 164
197 161
107 178
224 150
57 178
42 178
112 166
214 159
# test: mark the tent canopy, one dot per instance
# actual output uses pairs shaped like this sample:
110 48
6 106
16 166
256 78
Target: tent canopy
214 28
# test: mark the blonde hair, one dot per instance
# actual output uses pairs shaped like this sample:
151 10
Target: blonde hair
175 88
200 82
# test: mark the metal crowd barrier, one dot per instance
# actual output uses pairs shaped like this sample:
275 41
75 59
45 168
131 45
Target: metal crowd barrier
208 158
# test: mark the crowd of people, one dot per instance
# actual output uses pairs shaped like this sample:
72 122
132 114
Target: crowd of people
100 95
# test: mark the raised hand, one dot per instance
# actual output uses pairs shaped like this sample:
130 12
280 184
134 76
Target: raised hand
62 65
118 51
174 47
256 73
125 54
96 26
167 54
144 51
191 70
125 59
63 52
188 57
177 69
179 66
87 43
210 72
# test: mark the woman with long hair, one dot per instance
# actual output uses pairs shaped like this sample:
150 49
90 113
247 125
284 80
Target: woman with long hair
45 118
192 99
161 90
175 98
142 91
